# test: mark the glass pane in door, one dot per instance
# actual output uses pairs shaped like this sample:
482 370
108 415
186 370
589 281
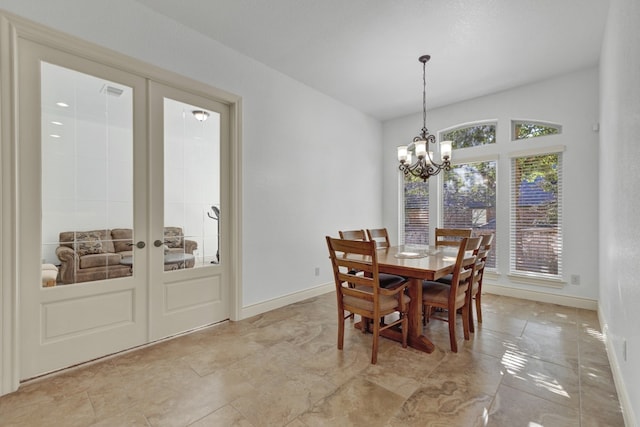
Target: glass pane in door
87 177
191 186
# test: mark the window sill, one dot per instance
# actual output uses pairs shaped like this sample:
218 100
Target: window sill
537 280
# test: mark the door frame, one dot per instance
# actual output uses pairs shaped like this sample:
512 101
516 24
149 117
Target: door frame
13 28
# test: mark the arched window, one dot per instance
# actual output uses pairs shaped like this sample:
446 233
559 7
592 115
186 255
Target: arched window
470 135
522 129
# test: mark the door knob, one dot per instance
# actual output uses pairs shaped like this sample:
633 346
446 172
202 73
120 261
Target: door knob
158 243
140 245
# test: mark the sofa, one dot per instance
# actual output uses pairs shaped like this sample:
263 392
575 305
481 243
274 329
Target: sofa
96 254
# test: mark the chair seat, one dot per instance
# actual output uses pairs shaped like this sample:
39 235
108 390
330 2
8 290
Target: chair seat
438 293
390 280
387 302
446 279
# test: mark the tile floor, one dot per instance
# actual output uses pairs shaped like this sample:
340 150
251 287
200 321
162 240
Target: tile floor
529 364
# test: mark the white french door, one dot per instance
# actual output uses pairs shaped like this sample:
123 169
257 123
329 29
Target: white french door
189 168
123 197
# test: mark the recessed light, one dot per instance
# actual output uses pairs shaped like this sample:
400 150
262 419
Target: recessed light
57 123
53 135
62 104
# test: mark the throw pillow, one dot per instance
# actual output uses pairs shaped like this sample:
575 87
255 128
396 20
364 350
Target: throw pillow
173 237
88 243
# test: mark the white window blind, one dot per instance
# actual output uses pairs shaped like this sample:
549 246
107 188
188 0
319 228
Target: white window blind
469 200
536 215
416 211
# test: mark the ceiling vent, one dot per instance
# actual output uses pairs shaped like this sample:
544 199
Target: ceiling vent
111 90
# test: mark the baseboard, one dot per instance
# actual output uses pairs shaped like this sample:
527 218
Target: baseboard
272 304
565 300
618 379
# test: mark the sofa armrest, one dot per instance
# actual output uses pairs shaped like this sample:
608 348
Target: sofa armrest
66 254
190 246
70 262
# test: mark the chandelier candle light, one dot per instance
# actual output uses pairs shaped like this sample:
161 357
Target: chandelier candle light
424 166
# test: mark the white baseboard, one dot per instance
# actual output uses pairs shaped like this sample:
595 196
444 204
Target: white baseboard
272 304
568 301
618 379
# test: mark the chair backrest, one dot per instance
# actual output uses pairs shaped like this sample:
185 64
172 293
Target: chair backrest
465 261
481 257
487 242
451 236
348 257
353 235
380 236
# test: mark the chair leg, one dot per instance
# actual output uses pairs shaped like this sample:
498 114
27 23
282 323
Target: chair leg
452 331
405 329
465 321
479 307
471 327
340 330
376 337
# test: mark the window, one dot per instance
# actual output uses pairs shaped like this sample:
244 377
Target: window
469 199
416 211
536 214
524 129
470 136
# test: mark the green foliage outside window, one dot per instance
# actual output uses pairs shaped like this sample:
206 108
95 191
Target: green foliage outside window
531 130
471 136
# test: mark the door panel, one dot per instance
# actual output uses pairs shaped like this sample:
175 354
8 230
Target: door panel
82 173
189 182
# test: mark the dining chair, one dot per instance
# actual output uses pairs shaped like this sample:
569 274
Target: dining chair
367 299
380 236
451 236
455 296
475 292
386 280
353 235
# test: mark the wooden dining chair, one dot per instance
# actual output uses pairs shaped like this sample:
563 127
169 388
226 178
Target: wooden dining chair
451 236
475 292
353 235
367 299
380 236
455 296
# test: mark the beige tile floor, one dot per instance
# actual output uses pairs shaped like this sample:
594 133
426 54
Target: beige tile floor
529 364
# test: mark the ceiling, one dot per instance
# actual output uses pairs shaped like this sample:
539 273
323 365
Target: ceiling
365 52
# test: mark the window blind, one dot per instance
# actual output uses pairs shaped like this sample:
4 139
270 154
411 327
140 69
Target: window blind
536 215
416 211
469 200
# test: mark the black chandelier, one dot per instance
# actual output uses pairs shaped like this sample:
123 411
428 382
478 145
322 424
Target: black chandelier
424 166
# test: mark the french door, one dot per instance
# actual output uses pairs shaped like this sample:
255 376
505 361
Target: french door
186 167
123 188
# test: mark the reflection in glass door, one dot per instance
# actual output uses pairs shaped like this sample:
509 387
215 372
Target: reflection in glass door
191 186
87 177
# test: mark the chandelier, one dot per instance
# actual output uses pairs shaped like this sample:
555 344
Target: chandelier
424 166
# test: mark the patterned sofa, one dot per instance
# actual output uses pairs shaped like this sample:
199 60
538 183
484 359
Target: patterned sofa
95 255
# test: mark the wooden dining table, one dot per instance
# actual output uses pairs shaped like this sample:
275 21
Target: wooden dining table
417 263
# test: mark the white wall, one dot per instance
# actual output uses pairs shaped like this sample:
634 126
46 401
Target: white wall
620 203
307 160
570 100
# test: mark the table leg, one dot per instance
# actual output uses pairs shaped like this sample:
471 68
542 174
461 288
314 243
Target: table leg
416 339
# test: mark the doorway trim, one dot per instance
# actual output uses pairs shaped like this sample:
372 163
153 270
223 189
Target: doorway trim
13 28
